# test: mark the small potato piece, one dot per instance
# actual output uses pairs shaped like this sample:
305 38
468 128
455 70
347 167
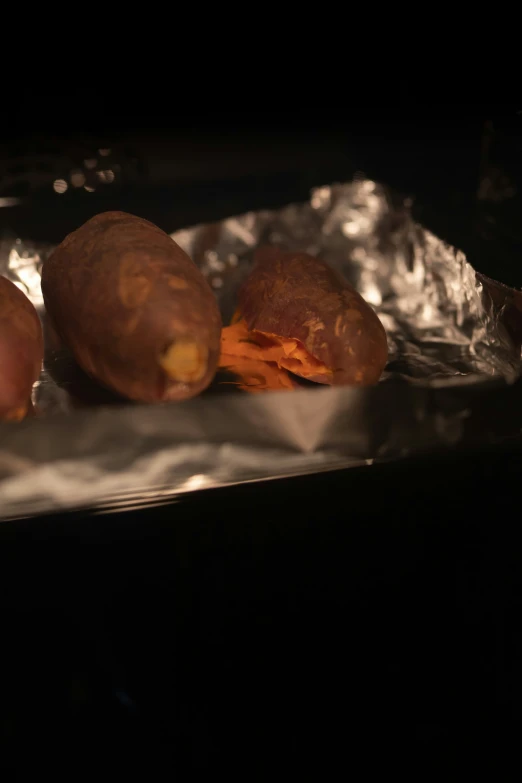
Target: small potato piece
135 310
21 351
326 331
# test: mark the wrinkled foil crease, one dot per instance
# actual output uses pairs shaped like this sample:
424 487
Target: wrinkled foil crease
442 334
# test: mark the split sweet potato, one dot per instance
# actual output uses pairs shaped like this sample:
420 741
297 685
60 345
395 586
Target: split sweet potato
21 351
134 309
298 315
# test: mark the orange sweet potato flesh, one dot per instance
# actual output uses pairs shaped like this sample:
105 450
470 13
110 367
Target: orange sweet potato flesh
135 310
299 315
253 361
21 351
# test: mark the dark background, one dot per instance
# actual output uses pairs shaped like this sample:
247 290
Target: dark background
370 615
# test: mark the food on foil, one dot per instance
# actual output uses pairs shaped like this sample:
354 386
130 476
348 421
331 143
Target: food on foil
297 316
134 309
21 351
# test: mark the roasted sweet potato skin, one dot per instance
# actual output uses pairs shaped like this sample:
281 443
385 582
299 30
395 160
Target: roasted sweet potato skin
134 309
21 351
296 296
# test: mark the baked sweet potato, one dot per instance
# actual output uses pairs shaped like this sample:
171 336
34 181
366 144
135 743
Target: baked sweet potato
299 315
134 309
21 351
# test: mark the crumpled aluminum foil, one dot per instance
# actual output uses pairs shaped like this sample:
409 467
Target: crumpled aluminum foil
445 336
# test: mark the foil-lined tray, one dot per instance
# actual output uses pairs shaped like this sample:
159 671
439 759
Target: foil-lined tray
454 359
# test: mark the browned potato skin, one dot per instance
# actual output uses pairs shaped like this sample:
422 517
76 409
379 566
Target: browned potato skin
120 292
21 351
297 296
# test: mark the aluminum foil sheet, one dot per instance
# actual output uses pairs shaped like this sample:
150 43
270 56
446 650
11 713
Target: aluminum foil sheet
451 355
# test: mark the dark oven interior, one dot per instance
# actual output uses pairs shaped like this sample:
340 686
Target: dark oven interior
285 625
